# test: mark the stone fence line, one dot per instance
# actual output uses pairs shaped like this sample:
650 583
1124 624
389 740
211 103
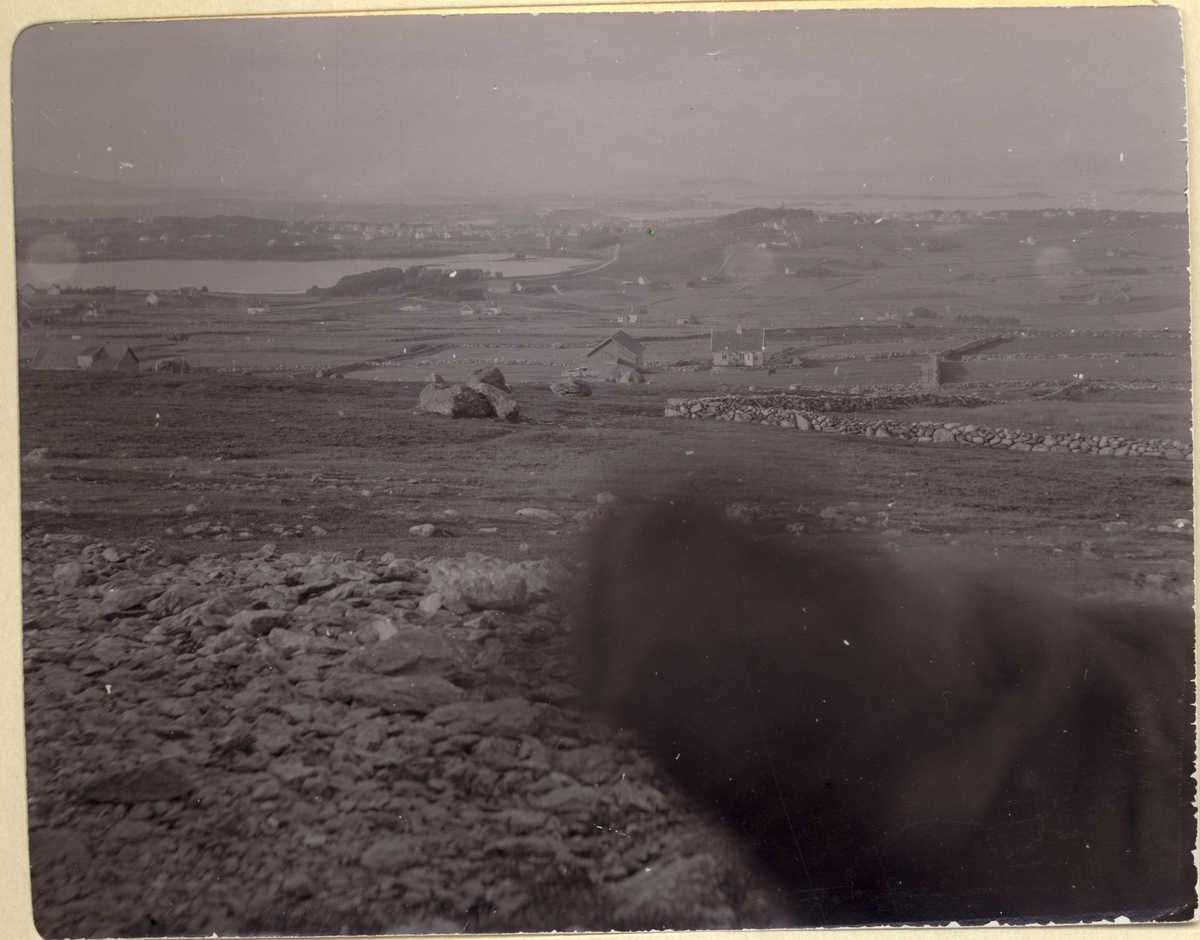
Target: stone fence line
796 412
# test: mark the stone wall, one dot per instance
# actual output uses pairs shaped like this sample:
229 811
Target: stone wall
828 415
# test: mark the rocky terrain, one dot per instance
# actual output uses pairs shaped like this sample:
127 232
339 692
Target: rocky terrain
323 743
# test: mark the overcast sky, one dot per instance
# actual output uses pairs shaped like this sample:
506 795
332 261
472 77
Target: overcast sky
927 101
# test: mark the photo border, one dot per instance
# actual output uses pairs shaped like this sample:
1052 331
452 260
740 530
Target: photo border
16 914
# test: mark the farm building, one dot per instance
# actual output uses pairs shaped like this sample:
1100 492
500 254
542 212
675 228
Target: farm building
740 347
52 357
621 350
152 299
628 318
94 357
466 310
254 307
126 362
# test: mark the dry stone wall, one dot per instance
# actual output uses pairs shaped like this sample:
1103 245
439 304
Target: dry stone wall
798 413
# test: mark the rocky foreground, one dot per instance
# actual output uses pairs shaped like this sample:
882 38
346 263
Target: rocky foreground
318 743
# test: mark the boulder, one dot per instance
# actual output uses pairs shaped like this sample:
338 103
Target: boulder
503 404
479 581
455 401
490 376
547 576
401 652
68 575
571 387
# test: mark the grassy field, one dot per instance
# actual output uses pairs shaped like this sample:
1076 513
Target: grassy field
128 456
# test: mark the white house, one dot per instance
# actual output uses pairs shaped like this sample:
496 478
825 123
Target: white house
740 347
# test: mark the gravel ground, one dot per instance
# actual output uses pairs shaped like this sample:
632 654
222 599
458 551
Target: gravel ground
326 743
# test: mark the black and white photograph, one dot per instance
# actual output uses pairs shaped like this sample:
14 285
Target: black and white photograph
604 471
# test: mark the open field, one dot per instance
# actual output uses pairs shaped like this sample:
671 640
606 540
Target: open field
128 455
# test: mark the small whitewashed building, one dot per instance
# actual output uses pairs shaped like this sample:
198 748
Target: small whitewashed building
740 347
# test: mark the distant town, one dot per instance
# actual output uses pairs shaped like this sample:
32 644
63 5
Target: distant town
577 233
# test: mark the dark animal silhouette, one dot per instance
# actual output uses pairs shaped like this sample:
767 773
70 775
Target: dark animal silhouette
897 745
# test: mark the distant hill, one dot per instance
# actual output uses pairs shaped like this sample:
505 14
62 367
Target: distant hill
756 216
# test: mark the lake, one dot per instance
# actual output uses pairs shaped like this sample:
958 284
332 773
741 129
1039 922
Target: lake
263 277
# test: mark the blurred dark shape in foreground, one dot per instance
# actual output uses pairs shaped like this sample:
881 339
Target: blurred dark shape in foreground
901 745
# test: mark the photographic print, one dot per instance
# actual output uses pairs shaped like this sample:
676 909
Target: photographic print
605 471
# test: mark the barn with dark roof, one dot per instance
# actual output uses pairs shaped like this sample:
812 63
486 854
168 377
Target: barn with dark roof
618 351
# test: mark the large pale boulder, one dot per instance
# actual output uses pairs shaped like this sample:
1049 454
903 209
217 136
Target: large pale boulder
455 401
547 576
479 581
503 404
491 376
